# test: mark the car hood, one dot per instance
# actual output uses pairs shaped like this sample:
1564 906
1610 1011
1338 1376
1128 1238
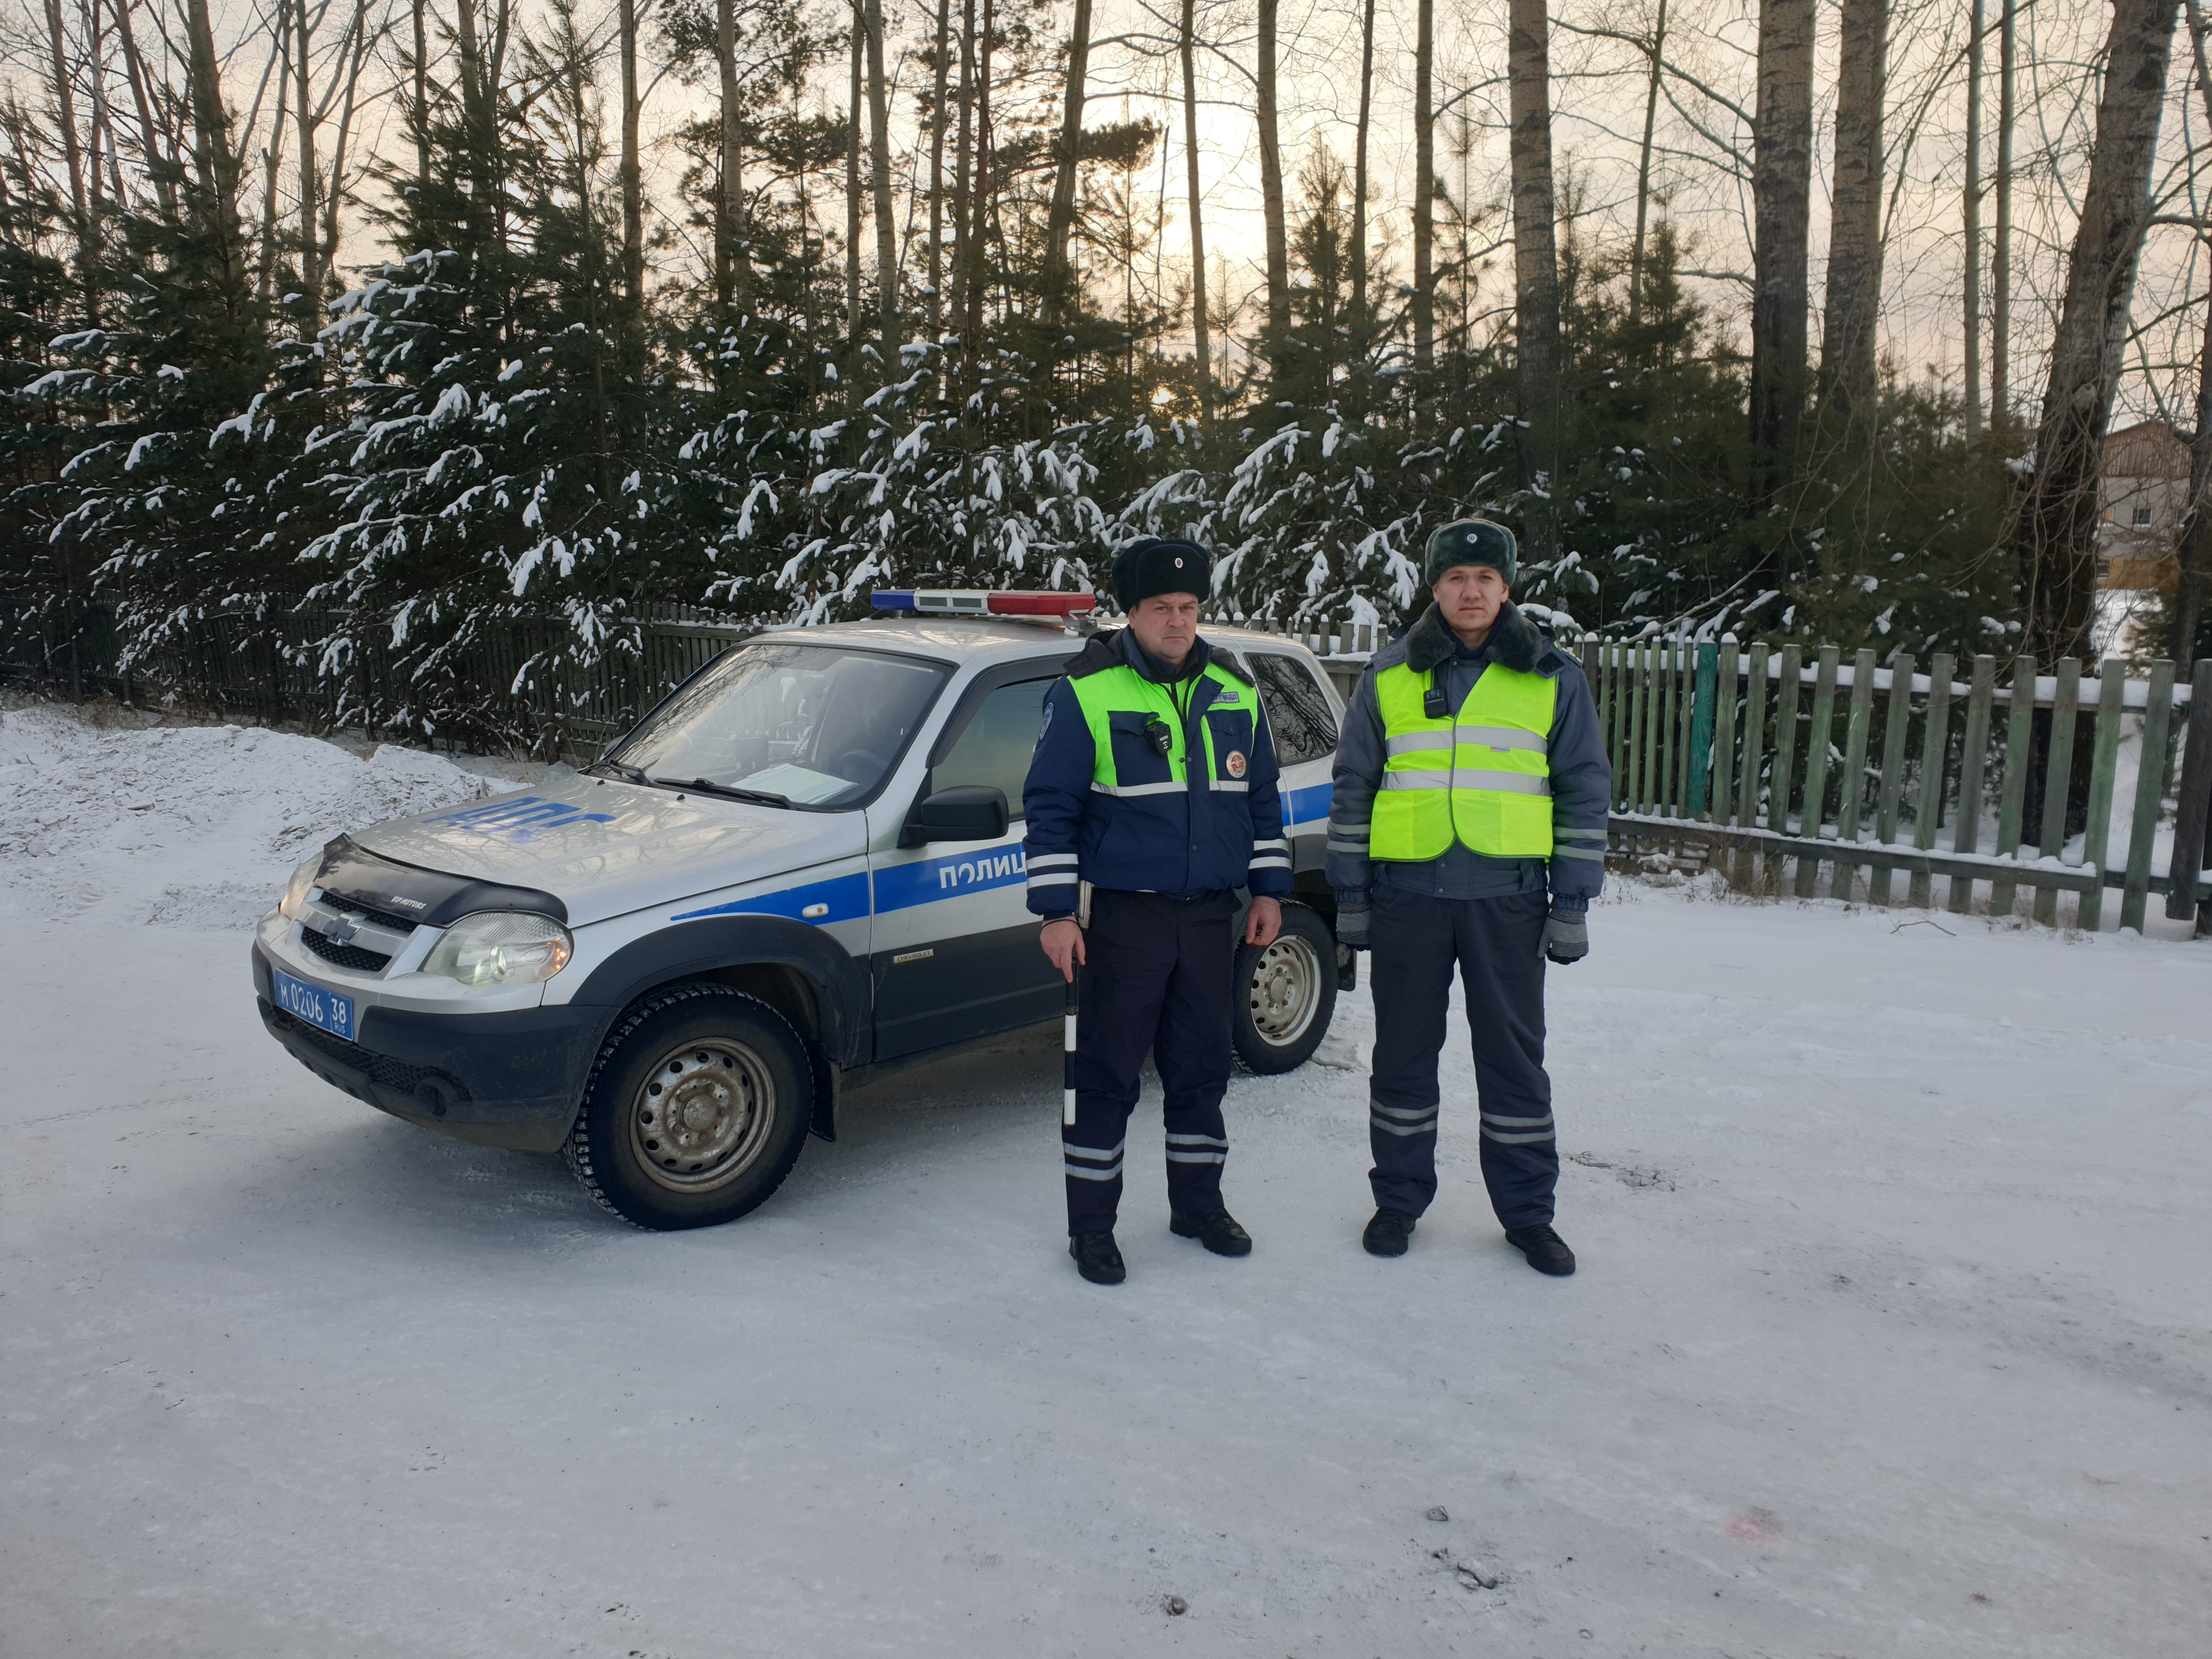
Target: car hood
604 848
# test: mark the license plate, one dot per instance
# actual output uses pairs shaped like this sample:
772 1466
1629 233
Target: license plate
324 1009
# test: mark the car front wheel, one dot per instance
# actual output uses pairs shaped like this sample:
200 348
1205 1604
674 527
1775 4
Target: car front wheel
1286 994
696 1110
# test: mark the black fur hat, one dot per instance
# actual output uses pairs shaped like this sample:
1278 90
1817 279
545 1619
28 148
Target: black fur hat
1151 567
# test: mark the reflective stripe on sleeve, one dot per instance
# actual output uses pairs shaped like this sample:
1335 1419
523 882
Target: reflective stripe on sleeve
1055 878
1055 860
1234 785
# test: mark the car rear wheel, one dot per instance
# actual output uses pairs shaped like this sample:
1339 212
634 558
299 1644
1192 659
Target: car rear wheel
1287 995
696 1110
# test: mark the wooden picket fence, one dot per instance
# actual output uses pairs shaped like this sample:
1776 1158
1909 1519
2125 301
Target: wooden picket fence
1737 749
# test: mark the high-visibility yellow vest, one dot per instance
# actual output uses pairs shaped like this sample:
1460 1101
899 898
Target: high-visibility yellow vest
1122 690
1482 777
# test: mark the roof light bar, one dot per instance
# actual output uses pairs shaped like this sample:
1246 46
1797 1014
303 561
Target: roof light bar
978 602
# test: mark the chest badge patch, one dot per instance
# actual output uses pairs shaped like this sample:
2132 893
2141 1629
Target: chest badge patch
1235 762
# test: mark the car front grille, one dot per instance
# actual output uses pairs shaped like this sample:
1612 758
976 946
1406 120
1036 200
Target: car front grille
343 956
352 907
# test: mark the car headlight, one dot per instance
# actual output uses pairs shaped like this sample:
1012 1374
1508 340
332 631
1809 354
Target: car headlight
501 947
293 905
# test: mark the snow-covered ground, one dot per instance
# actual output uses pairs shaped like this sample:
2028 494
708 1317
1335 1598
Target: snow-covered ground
1892 1335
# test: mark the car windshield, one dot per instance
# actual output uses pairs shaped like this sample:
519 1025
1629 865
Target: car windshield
794 724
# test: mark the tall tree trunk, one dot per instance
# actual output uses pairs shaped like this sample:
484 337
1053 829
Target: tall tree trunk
1536 265
1781 206
961 164
853 186
334 197
1270 193
1424 189
149 127
1644 168
421 67
879 163
214 160
2193 537
985 188
2000 264
942 66
2054 536
1202 339
1359 165
1058 279
1972 272
631 175
1847 341
270 160
87 246
729 162
311 270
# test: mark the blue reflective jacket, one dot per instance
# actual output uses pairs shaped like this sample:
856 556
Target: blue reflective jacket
1197 840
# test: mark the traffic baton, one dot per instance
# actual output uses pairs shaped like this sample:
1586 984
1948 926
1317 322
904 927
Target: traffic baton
1074 1010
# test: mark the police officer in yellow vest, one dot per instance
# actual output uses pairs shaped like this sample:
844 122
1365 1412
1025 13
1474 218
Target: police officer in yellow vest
1467 834
1154 781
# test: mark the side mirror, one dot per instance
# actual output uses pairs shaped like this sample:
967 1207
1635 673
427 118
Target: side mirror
967 811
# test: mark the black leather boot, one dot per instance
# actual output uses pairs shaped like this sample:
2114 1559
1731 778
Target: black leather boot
1096 1258
1387 1234
1546 1251
1218 1232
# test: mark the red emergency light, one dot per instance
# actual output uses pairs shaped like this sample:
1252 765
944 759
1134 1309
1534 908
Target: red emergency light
979 602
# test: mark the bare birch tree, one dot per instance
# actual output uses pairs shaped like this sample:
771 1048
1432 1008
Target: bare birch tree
2054 535
1058 280
1535 266
1271 190
1201 340
1855 250
1781 205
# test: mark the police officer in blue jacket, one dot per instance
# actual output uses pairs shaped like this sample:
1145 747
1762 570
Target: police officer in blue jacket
1154 781
1467 835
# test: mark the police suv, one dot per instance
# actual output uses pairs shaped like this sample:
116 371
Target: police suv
804 866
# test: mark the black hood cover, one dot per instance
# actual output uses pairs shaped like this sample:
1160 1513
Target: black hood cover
429 898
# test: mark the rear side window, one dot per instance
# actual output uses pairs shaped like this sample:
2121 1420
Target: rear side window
996 746
1298 712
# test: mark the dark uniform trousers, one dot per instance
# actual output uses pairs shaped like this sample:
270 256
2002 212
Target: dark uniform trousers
1158 979
1496 943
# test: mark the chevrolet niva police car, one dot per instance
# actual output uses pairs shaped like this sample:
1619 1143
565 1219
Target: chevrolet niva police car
802 868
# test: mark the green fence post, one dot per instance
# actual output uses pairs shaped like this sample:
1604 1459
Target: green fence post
2103 755
1816 768
1701 727
1723 744
2057 773
2012 794
1973 753
2150 791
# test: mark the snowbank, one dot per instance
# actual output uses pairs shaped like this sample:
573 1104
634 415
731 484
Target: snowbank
185 826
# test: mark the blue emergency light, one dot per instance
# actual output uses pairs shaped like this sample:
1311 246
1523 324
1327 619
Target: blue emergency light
979 602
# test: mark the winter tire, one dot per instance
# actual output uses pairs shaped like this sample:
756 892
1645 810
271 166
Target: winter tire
696 1110
1285 994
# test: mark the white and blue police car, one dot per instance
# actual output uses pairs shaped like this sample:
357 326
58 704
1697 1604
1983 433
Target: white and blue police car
802 868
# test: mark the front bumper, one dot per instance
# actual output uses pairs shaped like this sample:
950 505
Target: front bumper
512 1078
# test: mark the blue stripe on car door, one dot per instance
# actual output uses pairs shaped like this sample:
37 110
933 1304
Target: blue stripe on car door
925 881
845 895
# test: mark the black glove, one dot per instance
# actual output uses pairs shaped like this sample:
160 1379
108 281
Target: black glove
1566 936
1352 924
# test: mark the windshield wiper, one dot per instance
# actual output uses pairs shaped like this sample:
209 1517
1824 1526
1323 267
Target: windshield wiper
626 774
727 792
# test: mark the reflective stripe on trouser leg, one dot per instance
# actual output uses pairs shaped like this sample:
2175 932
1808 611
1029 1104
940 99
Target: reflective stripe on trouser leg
1502 967
1158 982
1411 962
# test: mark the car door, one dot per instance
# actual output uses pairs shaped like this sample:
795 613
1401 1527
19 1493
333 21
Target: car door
955 950
1302 716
